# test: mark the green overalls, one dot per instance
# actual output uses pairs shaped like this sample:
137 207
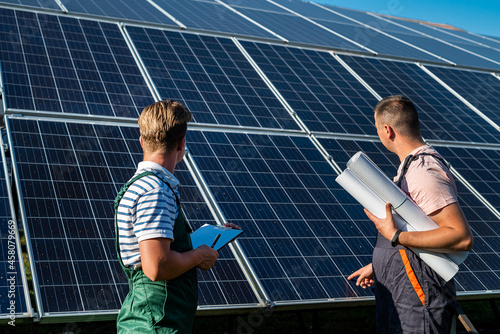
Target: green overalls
164 306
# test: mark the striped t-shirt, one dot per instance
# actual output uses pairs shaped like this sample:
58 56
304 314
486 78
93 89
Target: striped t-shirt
147 210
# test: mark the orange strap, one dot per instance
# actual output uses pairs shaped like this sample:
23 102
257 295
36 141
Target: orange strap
412 277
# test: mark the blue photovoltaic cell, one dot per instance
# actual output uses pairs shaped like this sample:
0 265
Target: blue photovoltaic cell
48 4
210 15
11 285
136 10
69 176
480 272
442 115
301 243
479 88
324 94
446 51
481 168
468 36
376 41
296 29
370 38
212 77
60 64
436 47
467 45
262 5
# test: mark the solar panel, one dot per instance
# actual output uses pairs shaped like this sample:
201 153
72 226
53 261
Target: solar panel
69 175
262 5
136 10
450 38
211 76
480 167
479 88
12 290
210 15
326 97
302 238
357 32
296 29
480 272
438 48
442 116
65 65
473 37
50 4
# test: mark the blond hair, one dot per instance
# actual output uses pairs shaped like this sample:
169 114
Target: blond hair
162 125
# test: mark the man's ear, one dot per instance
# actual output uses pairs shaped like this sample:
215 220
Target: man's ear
389 131
140 141
181 144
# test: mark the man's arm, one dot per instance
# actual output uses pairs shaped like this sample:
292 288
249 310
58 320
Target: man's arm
160 263
453 233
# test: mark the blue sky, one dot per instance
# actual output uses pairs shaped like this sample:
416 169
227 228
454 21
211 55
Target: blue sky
478 16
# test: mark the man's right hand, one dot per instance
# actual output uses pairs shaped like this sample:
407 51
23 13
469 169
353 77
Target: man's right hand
365 276
208 257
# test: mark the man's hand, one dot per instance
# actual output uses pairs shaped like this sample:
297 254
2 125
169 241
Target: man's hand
386 226
208 257
365 276
231 225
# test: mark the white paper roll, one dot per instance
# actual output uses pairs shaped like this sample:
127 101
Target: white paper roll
368 199
369 173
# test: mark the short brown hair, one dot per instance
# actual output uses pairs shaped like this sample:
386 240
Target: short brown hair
163 124
399 112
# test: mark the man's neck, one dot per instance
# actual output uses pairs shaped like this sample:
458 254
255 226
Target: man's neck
167 160
406 147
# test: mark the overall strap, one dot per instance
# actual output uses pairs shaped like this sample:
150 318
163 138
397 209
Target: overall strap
118 198
409 159
122 192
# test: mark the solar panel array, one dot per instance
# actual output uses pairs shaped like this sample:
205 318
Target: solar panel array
278 108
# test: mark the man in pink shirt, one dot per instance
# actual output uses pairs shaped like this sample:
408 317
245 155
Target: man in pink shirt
410 296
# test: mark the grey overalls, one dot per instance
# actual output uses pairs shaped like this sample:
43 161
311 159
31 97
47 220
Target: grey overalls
164 306
410 296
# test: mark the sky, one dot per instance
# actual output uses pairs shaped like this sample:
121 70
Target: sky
477 16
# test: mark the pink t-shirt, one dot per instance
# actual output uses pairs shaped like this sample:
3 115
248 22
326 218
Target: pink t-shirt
428 182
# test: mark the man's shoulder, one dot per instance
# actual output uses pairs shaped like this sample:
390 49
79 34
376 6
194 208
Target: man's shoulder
146 184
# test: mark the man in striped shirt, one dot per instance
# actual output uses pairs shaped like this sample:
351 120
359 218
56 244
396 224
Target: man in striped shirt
153 238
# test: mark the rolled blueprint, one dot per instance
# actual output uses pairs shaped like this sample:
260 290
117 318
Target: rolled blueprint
369 173
368 199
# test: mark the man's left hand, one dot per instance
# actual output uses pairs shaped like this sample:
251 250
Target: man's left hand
231 225
386 226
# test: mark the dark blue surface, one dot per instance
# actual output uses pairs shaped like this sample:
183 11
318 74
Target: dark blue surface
459 42
434 46
69 177
48 4
479 88
11 286
297 29
442 116
212 77
136 10
476 38
299 238
59 64
480 272
324 94
481 168
255 4
209 15
367 37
